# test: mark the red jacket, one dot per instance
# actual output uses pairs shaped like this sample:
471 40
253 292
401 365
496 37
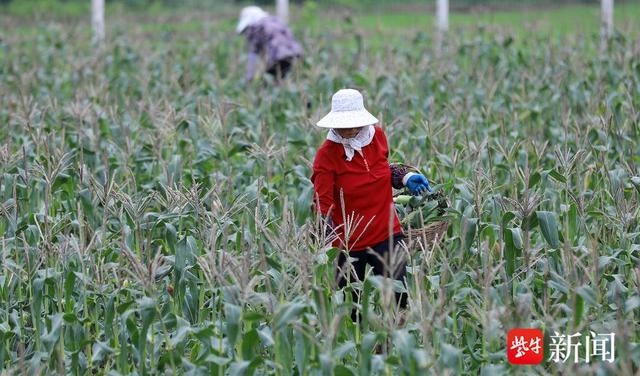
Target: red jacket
366 186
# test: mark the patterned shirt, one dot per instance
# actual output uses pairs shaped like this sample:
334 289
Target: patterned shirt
271 37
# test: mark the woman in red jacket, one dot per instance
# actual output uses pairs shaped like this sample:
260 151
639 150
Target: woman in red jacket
351 168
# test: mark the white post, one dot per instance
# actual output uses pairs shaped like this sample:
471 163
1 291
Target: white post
282 10
442 14
606 30
97 19
442 23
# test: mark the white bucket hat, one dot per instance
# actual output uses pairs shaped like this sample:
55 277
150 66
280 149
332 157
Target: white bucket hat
347 111
249 16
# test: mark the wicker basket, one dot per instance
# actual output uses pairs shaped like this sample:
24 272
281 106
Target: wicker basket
430 234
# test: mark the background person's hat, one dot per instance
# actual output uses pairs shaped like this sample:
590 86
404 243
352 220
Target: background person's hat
347 111
249 16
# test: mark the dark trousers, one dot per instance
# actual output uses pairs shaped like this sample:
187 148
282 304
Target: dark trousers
280 69
377 262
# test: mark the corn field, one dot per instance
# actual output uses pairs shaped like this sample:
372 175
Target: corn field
155 212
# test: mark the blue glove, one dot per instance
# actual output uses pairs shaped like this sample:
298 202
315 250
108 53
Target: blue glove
418 184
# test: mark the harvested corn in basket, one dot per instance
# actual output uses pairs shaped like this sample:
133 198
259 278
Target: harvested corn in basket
422 217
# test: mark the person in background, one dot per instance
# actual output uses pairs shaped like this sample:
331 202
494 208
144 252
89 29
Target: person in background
269 37
352 167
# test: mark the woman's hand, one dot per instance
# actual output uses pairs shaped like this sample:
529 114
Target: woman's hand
252 61
418 184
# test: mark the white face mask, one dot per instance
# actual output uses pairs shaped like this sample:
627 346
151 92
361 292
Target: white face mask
362 139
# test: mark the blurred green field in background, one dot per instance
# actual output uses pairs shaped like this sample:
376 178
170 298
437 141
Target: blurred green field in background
393 17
